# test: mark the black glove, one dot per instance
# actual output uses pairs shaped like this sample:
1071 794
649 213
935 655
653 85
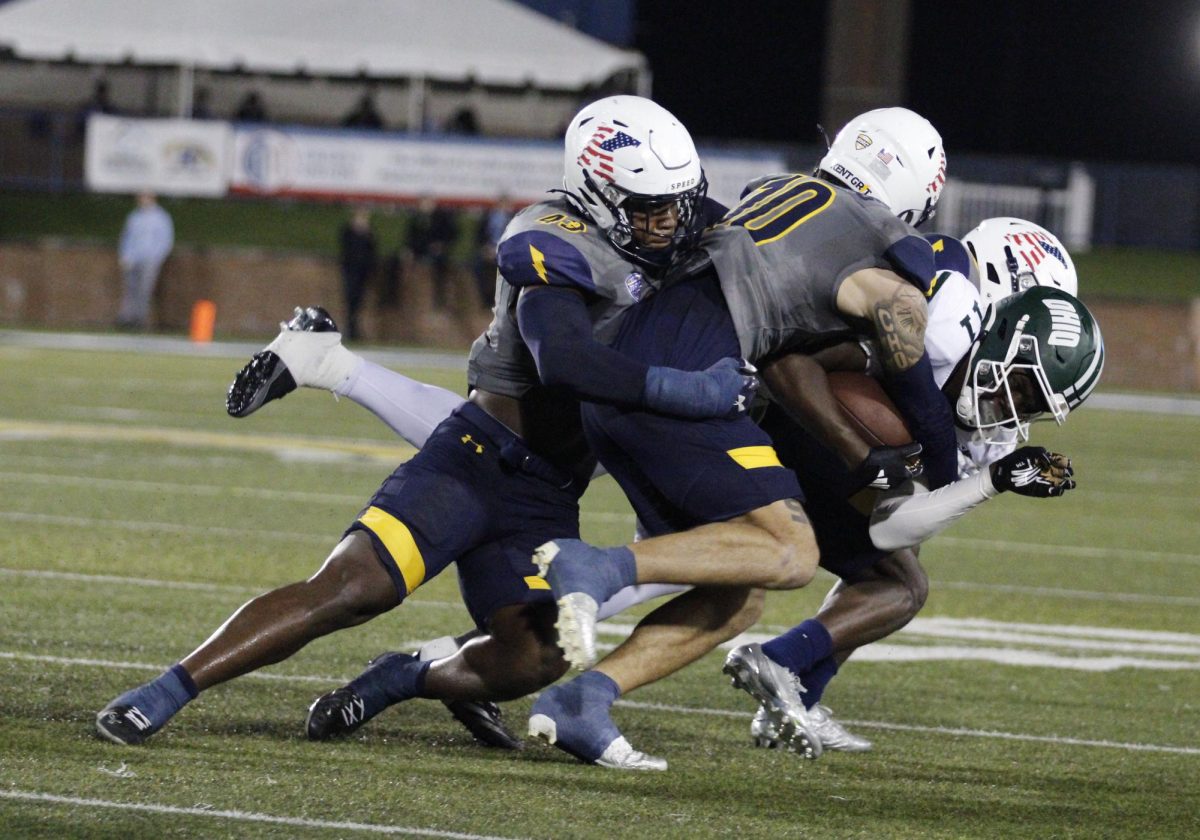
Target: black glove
886 467
1033 471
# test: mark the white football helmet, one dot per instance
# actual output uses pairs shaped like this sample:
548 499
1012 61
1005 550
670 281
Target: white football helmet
1014 255
626 155
893 155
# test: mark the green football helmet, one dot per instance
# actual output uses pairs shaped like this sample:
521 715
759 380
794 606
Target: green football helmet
1039 355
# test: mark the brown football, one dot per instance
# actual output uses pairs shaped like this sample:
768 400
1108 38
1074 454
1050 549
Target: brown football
869 409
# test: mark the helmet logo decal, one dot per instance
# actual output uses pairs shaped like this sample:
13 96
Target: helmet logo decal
636 283
1066 326
885 156
1032 246
939 179
603 142
862 141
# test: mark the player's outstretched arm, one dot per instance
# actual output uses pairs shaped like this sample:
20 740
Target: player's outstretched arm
911 515
555 324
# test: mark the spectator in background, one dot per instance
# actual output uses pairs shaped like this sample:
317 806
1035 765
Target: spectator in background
463 121
98 103
431 235
487 237
251 108
146 240
357 258
201 107
364 114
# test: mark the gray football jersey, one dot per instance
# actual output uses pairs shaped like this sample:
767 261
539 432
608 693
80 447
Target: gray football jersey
549 244
783 252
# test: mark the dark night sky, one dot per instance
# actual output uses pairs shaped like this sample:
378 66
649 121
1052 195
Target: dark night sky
1057 78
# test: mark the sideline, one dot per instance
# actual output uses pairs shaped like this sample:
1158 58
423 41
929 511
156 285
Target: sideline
1185 406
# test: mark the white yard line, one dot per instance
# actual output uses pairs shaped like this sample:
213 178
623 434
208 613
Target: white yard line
656 707
238 816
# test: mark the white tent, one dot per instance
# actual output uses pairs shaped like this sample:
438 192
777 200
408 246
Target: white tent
487 41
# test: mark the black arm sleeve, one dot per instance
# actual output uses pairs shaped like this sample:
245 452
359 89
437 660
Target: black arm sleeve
555 325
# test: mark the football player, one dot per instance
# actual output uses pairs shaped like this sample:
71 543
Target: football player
504 472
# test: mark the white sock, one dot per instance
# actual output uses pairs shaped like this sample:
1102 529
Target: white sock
410 408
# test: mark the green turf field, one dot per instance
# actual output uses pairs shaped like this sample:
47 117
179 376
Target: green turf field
1051 688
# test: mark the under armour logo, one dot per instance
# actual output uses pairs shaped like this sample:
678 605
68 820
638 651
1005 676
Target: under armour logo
478 446
740 403
137 718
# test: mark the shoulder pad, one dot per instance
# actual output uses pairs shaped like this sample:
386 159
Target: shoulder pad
949 254
912 258
539 258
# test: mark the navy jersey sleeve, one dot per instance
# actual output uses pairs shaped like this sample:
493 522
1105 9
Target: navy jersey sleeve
912 258
538 258
558 331
949 254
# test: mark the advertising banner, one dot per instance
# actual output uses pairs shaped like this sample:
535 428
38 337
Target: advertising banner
172 157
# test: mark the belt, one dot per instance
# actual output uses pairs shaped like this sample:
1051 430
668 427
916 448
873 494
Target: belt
514 451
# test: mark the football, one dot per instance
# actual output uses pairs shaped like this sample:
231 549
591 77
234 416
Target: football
869 409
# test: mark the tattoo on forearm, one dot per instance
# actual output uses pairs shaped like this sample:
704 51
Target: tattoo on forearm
796 510
900 322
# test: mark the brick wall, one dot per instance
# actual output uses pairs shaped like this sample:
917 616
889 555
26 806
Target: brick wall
78 286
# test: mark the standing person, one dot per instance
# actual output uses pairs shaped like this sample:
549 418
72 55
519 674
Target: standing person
146 240
491 230
357 258
431 235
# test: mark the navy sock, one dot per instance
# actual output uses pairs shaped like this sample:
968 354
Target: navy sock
161 698
816 680
394 677
624 567
800 648
597 686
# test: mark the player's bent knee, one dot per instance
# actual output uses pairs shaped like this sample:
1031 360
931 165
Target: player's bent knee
796 544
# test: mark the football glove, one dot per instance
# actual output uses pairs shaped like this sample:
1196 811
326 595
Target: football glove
886 467
723 390
1033 471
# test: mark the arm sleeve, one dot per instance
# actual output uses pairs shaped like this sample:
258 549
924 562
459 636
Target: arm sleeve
555 325
910 515
929 418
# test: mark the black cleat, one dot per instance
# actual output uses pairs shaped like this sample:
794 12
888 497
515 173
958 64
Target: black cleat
124 725
266 377
484 721
334 715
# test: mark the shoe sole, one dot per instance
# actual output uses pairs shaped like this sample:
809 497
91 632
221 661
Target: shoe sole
798 739
264 378
483 727
576 622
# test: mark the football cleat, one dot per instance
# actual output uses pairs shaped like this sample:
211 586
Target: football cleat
833 735
335 714
126 725
559 718
485 723
778 691
308 351
572 570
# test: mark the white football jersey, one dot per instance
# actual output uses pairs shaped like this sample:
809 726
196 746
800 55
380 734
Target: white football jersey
955 319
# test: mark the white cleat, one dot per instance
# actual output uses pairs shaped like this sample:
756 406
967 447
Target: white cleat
576 623
777 690
834 736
